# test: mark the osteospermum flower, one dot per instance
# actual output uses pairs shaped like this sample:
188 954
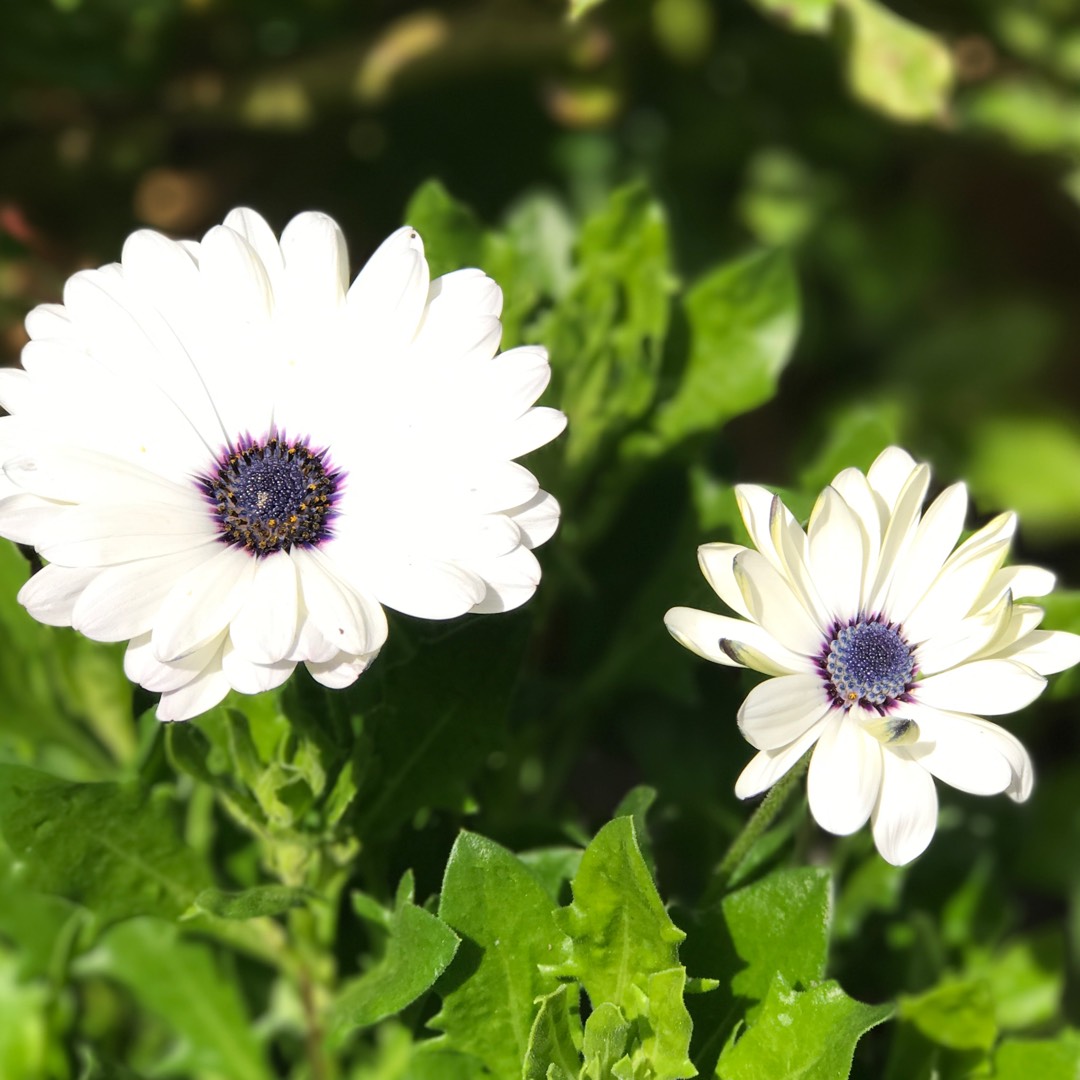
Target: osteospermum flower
885 647
234 458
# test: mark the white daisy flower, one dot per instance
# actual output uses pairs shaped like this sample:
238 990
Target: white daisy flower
885 647
234 458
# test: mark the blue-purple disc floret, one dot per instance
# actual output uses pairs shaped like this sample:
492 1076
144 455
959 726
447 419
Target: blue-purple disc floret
272 494
867 661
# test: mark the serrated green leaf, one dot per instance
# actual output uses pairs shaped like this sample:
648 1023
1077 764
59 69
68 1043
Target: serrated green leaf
1044 1059
958 1014
418 949
508 931
181 983
895 66
801 1035
252 903
555 1040
744 319
606 1041
620 930
667 1043
115 849
780 924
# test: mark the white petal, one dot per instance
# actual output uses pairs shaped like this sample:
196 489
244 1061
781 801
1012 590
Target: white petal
773 605
891 472
254 229
768 766
142 667
925 555
51 594
1044 651
425 587
845 776
954 592
203 692
989 687
264 627
905 817
967 753
717 562
202 603
757 506
316 264
1021 581
511 579
724 640
106 535
837 554
251 678
903 517
23 518
963 640
340 672
533 429
536 519
123 601
777 711
793 558
75 474
388 296
353 622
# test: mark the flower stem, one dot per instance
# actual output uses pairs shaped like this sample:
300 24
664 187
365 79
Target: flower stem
760 820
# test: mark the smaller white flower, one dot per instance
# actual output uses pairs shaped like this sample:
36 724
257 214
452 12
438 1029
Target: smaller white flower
885 648
233 458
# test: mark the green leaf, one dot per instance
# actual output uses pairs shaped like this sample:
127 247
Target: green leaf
743 319
115 849
894 65
252 903
1046 1059
555 1039
801 1035
553 867
666 1044
606 336
1030 465
780 924
504 918
24 1030
67 702
434 710
606 1041
418 950
958 1014
1026 979
620 930
180 982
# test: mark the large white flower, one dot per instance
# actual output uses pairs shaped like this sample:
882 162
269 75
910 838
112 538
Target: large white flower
884 645
232 457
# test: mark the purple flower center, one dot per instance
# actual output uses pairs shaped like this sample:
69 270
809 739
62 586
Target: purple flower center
868 662
272 494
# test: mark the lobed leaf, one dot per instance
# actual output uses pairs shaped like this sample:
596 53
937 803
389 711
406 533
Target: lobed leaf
508 937
418 949
801 1035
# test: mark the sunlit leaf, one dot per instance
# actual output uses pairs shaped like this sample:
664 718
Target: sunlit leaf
801 1035
507 929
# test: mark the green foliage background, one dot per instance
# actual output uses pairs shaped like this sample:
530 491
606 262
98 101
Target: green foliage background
762 239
